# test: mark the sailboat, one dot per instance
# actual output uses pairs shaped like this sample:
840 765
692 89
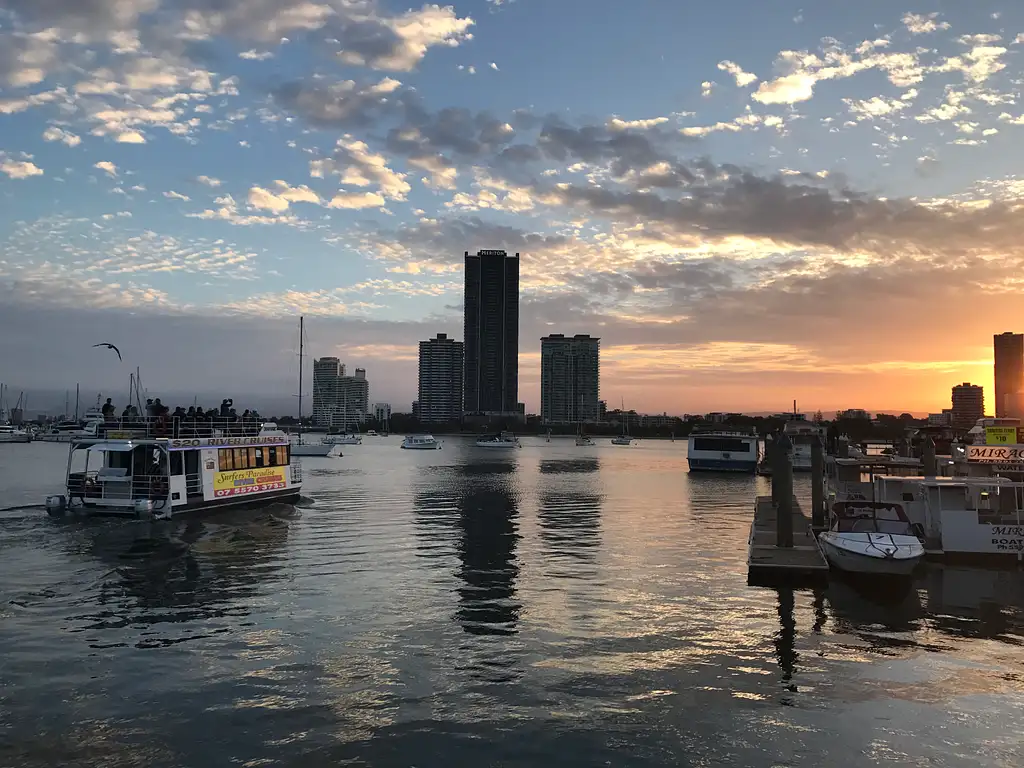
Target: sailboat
581 439
624 438
344 438
300 448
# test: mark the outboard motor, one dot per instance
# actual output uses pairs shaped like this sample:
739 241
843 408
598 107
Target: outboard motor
56 506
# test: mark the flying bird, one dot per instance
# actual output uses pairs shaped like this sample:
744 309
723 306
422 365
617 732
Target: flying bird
108 345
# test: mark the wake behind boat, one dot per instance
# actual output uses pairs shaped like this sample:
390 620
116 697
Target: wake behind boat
868 537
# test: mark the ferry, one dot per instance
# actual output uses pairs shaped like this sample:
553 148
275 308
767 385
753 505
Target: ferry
421 443
156 468
723 451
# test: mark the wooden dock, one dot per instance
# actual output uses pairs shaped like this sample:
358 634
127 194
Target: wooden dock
768 563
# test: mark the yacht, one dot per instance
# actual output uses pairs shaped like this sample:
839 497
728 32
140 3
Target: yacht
343 440
421 443
867 537
500 441
723 451
10 434
802 435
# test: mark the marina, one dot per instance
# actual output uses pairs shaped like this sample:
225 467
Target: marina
520 575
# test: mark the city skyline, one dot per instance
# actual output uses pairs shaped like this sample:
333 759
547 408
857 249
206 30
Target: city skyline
774 210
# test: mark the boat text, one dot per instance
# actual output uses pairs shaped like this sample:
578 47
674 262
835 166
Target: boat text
996 454
242 481
223 442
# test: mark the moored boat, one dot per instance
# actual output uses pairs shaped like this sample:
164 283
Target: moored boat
868 537
723 451
343 440
421 443
502 441
10 434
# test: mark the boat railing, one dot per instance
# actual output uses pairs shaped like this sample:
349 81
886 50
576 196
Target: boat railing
194 485
173 427
92 486
296 470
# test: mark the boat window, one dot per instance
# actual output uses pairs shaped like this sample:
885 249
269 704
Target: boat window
726 444
225 459
177 464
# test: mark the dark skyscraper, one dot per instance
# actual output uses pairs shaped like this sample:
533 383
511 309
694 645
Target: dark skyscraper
1009 373
492 333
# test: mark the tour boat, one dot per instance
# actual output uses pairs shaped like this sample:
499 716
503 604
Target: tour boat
10 434
501 441
869 537
153 467
421 443
723 451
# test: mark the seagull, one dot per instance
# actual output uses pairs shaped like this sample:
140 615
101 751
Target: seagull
110 346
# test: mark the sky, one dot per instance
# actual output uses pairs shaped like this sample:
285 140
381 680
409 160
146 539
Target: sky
749 202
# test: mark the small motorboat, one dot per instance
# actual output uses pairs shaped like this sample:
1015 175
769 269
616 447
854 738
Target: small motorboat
421 443
622 440
501 441
870 537
583 440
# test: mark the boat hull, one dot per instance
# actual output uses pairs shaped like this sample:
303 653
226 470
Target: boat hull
284 496
851 561
722 465
498 446
621 441
343 441
15 439
421 447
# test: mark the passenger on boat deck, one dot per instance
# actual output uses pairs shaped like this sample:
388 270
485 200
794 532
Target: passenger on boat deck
109 411
159 409
225 407
149 409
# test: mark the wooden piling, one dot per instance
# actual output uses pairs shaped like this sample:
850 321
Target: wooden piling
817 485
782 472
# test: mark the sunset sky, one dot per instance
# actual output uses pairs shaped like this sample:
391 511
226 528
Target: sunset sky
748 201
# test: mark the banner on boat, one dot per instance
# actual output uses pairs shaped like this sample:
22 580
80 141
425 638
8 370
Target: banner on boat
1004 435
241 481
227 442
996 454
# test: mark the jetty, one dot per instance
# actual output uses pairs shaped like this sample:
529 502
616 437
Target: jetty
783 548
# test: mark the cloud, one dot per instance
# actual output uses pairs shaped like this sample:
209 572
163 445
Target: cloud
209 181
130 137
19 169
743 79
356 200
279 200
615 124
254 55
493 66
53 133
876 106
706 88
923 24
177 196
400 42
107 167
356 165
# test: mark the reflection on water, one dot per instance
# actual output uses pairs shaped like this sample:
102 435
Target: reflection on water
449 608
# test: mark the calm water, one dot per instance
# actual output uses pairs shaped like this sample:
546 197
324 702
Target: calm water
559 606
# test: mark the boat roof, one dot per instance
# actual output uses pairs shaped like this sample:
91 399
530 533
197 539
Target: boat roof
856 508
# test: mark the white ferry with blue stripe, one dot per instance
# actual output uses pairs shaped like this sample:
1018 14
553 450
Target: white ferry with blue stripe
723 451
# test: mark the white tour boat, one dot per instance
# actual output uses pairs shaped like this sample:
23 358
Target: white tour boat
501 441
146 467
723 451
421 443
10 434
869 537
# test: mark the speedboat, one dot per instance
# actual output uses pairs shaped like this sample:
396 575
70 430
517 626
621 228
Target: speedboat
583 440
622 440
871 537
421 443
503 440
343 440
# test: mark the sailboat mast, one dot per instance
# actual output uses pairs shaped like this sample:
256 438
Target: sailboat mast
302 326
76 402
